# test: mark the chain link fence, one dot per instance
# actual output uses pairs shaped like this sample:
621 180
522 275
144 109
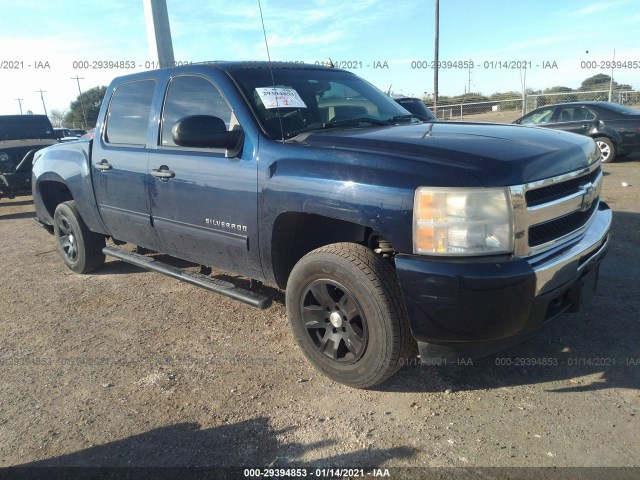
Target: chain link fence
508 110
624 97
499 111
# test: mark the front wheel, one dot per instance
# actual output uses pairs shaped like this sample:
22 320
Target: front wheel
607 149
79 247
346 313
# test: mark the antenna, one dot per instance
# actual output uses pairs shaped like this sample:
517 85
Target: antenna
273 81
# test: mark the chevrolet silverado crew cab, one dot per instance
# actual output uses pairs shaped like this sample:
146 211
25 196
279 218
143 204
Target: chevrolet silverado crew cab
387 232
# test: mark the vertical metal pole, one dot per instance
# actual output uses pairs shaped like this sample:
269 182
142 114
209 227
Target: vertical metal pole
42 97
19 103
435 64
523 85
611 81
158 32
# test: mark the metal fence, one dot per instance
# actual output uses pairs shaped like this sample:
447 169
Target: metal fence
508 110
540 100
501 111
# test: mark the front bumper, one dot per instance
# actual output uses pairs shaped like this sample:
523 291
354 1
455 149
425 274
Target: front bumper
473 307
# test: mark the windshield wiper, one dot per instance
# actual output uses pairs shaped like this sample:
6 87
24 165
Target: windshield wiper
336 123
350 121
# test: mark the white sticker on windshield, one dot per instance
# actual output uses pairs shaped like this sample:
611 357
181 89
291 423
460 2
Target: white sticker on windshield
280 98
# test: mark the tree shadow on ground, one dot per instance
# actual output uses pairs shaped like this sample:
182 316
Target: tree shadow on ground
247 444
16 203
17 216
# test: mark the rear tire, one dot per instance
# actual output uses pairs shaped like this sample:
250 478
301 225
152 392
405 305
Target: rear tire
607 149
79 247
346 314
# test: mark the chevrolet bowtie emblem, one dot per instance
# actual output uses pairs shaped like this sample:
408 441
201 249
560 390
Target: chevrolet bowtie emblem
589 195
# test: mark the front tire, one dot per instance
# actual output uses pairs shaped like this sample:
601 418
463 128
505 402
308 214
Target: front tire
79 247
607 149
346 314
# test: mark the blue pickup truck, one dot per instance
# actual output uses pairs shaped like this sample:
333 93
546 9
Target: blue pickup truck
387 232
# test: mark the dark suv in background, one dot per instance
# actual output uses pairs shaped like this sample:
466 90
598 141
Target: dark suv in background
417 107
20 137
615 128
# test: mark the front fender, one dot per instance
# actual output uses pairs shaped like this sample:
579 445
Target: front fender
357 195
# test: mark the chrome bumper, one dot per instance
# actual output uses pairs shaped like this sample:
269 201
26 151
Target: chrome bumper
561 266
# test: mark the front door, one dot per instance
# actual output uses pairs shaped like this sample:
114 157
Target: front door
203 205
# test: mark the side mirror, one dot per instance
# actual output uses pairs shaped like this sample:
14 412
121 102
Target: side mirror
205 131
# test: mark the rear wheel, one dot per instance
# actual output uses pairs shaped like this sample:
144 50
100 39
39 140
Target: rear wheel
346 313
79 247
607 149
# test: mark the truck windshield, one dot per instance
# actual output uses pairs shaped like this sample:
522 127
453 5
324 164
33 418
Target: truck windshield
25 127
299 100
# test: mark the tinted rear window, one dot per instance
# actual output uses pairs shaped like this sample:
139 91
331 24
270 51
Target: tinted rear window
128 115
22 127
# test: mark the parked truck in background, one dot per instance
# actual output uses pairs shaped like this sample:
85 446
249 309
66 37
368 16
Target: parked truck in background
386 231
20 137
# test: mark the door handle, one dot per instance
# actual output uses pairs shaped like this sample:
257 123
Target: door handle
585 126
163 172
104 165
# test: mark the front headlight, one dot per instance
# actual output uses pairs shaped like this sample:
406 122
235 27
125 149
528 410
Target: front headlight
462 221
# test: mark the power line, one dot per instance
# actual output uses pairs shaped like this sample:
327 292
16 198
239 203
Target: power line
42 97
84 117
19 103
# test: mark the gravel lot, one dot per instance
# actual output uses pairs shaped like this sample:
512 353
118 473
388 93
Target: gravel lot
130 368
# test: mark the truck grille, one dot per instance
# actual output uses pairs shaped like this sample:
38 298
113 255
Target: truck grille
550 231
557 191
555 210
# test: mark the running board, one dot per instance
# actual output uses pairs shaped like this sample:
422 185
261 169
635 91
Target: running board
212 284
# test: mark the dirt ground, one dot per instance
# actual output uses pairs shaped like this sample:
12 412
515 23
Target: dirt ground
129 368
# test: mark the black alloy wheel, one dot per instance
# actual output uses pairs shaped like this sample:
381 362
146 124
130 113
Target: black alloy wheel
79 247
334 321
346 313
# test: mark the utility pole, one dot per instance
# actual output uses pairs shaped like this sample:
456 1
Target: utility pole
158 32
42 97
611 81
84 117
435 63
523 86
19 103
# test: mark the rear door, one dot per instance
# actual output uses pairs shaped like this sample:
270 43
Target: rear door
575 119
119 163
204 206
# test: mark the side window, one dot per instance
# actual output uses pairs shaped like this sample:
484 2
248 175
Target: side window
192 95
566 115
128 115
537 118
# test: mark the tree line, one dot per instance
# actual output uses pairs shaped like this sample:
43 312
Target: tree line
597 82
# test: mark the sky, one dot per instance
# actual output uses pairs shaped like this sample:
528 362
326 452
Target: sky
44 45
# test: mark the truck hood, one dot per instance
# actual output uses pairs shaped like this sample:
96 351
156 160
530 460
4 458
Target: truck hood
498 155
